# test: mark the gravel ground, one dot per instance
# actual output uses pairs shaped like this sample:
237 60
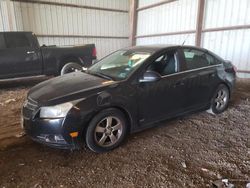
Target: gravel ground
190 151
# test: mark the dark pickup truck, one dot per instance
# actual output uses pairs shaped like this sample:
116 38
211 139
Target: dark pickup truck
21 56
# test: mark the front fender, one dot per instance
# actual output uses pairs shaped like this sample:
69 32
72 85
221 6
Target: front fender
90 106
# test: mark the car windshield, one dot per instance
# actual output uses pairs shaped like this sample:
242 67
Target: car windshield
118 65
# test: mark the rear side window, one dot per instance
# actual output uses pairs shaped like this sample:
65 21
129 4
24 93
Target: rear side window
212 60
2 42
198 59
16 40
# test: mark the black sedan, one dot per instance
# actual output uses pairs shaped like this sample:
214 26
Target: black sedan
127 91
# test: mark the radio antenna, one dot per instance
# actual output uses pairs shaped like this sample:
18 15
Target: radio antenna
185 40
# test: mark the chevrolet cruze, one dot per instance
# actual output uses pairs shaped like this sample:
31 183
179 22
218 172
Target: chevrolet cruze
127 91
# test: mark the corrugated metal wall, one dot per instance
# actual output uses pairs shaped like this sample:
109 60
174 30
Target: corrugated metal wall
171 17
176 16
233 45
49 21
3 17
173 39
115 4
181 15
147 2
7 19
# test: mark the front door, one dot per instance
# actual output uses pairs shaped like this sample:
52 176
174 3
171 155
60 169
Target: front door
18 57
165 97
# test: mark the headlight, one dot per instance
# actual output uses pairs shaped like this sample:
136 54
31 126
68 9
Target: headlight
58 111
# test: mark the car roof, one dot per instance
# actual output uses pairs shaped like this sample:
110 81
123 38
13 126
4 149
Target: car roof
15 32
156 48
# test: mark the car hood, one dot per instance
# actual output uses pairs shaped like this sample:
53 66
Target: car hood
72 86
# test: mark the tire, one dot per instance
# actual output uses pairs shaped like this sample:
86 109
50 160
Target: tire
70 67
106 131
220 99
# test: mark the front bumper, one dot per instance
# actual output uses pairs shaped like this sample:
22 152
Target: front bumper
52 132
49 132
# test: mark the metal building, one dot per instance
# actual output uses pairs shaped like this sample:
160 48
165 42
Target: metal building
70 22
222 26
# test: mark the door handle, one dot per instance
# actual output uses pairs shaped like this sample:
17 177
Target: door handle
179 83
30 52
212 75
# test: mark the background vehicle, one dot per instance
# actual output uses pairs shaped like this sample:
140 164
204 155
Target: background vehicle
127 91
21 55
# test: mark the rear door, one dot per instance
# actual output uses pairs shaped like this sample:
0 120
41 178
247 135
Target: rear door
18 56
200 75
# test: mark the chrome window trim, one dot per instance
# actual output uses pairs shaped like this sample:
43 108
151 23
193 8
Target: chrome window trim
192 70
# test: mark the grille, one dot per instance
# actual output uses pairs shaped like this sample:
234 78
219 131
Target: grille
30 105
29 108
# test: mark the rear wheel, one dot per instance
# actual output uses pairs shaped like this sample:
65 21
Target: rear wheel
70 67
106 131
220 99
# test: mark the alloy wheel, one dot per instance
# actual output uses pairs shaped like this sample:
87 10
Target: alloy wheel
221 99
108 131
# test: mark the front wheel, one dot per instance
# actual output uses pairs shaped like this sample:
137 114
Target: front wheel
70 67
220 99
106 131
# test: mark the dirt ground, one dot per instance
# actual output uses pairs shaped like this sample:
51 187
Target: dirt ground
190 151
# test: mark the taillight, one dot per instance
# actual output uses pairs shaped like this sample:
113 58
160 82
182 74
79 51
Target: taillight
94 52
231 69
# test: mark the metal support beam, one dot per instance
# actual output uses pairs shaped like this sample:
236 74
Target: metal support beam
199 22
244 71
155 5
46 2
228 28
166 34
82 36
133 21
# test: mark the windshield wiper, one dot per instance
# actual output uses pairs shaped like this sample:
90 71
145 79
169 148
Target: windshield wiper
99 74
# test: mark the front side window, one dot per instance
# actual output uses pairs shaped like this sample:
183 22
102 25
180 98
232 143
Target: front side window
165 64
16 40
198 59
119 65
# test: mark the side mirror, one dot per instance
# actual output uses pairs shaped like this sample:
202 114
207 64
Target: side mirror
150 76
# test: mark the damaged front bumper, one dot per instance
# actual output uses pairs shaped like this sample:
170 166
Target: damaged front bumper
50 132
